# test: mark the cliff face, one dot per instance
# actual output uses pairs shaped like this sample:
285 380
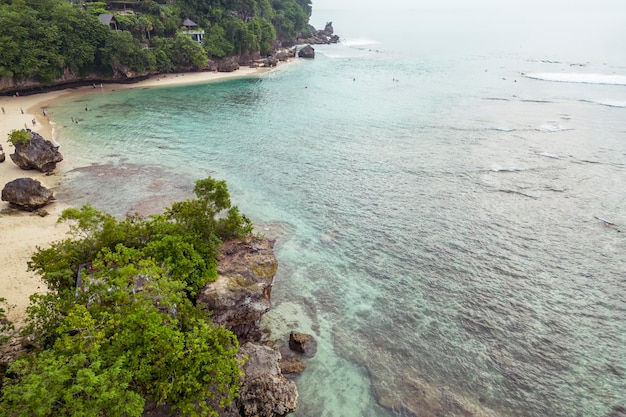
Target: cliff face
241 294
237 300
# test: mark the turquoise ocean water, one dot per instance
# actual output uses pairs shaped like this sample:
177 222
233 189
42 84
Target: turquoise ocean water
432 181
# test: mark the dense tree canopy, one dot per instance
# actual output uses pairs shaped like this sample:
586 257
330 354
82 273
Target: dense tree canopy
41 39
128 330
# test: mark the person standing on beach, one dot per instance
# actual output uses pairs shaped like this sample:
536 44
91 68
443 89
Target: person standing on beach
3 111
22 110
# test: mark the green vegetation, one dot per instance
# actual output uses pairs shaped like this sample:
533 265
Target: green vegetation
130 330
19 136
42 39
5 325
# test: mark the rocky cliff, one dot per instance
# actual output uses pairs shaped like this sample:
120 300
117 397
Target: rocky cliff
238 299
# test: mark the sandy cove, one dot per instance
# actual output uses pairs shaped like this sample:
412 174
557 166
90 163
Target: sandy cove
21 233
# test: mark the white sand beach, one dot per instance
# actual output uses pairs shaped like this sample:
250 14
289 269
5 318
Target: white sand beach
21 232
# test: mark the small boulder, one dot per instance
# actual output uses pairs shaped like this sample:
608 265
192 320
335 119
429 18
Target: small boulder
291 366
307 52
36 153
270 61
303 343
27 194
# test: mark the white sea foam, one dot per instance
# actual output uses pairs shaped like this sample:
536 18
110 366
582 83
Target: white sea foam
550 155
359 42
574 77
552 127
610 103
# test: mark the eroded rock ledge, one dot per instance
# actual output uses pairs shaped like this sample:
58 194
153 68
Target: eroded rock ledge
238 299
241 294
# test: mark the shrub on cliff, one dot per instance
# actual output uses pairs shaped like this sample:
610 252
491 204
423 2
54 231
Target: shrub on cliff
129 330
5 325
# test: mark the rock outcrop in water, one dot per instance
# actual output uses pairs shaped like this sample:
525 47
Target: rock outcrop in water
318 37
36 153
27 194
303 343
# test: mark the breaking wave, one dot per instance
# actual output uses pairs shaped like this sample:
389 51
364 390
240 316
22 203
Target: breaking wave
608 103
578 78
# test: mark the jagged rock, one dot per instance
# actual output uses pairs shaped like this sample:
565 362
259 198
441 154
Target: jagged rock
249 59
265 392
291 366
318 37
38 153
303 343
241 294
27 194
270 61
228 64
307 52
282 55
122 72
328 29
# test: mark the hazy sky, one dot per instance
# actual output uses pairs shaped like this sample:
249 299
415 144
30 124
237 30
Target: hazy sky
417 4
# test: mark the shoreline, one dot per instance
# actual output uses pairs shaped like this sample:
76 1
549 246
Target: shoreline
24 232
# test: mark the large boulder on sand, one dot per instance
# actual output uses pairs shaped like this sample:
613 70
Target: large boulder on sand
307 52
27 194
241 294
36 153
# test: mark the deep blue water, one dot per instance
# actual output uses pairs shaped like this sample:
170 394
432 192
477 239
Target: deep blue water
432 181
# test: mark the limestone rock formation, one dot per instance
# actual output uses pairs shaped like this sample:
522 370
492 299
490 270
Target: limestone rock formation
307 52
27 194
303 343
241 294
328 29
265 392
228 64
37 153
324 36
